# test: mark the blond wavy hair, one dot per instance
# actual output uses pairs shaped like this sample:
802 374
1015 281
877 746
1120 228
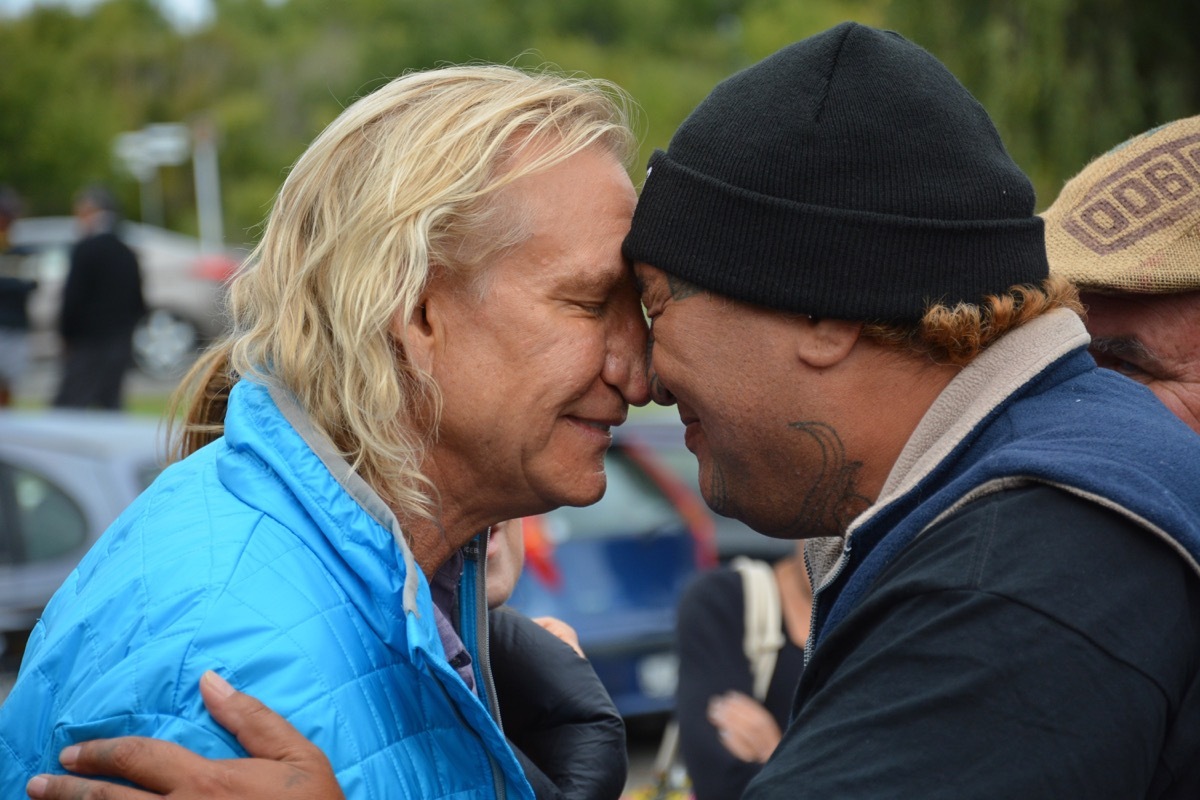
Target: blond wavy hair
957 334
406 183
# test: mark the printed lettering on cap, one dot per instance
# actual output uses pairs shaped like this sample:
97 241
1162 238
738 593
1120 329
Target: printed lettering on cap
1154 191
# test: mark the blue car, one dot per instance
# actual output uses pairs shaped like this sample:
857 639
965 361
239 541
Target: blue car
615 571
663 433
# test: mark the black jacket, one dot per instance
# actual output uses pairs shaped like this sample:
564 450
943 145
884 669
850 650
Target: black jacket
557 716
1032 645
103 294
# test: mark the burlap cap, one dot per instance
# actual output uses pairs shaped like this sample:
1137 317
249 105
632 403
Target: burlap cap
1130 221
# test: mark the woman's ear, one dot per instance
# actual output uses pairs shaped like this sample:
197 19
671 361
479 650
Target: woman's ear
824 343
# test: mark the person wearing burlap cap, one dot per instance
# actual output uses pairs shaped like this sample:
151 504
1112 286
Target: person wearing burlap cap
1126 230
849 304
850 308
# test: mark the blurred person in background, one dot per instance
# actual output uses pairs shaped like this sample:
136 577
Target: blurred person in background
731 716
506 561
14 300
101 304
1126 230
436 333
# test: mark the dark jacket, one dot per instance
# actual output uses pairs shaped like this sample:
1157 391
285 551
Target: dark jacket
557 716
14 299
1018 615
102 297
1032 645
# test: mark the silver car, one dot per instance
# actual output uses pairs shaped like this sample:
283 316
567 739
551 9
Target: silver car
184 289
64 477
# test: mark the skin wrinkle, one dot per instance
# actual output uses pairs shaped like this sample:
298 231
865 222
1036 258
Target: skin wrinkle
1125 348
1154 340
719 501
650 355
678 289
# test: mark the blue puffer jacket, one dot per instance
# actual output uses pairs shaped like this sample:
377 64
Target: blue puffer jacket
263 557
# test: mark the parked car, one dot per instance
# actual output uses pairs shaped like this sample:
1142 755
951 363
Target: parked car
663 433
615 571
184 289
64 477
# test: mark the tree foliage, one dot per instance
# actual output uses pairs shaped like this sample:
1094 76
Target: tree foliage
1065 79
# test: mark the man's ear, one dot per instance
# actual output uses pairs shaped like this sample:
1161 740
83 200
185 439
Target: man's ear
824 343
420 335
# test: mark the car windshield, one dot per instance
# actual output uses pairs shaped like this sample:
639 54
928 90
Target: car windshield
633 505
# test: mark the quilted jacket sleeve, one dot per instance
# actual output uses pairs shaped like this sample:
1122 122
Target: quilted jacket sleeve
556 713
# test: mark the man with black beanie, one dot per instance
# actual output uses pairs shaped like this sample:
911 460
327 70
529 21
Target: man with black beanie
849 304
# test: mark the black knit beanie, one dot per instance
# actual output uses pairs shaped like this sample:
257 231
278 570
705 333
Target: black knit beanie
849 175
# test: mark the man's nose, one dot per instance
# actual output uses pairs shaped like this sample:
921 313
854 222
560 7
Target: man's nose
659 393
625 363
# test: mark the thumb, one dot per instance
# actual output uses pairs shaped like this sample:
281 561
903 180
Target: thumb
262 732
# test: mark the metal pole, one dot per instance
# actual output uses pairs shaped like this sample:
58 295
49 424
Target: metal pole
152 199
208 187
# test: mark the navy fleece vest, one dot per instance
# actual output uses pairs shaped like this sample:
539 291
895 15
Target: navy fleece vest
1087 430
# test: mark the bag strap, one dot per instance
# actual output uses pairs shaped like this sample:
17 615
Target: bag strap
764 621
761 643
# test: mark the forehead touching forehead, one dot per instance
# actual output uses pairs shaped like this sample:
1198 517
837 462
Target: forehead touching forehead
654 285
646 278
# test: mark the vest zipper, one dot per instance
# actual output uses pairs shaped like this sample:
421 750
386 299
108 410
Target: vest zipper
840 565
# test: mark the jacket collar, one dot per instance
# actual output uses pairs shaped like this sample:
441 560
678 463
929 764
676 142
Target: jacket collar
976 392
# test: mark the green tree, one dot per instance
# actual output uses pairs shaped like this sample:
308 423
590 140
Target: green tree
1065 80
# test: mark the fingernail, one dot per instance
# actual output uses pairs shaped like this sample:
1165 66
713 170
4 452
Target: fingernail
217 683
69 756
37 786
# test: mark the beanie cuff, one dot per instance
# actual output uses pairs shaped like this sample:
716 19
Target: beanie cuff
820 260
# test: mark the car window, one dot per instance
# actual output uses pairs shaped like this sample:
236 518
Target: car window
39 520
146 474
633 505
